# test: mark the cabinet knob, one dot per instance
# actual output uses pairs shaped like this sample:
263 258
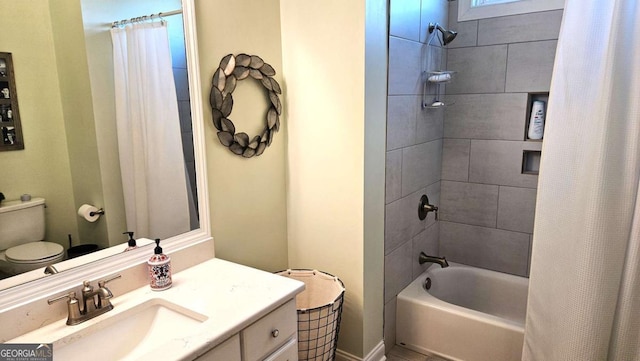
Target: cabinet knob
275 333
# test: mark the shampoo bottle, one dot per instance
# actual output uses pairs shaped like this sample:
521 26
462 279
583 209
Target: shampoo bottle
132 242
159 269
536 122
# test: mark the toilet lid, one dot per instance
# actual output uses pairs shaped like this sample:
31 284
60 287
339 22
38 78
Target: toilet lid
33 252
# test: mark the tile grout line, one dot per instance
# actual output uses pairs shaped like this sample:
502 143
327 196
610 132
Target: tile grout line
506 68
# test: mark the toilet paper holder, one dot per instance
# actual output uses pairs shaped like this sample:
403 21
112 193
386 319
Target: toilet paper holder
98 212
90 213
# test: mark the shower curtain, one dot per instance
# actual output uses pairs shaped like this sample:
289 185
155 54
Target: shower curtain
149 138
584 294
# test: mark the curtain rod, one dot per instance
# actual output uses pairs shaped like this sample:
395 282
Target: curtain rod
145 17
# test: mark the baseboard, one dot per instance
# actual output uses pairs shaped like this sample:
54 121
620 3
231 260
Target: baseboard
377 354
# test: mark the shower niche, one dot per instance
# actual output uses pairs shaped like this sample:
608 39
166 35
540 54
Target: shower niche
532 153
10 126
531 161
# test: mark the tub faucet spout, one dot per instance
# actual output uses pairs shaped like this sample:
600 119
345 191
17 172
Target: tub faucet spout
424 258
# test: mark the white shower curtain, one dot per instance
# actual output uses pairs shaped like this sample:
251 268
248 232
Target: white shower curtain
584 294
149 138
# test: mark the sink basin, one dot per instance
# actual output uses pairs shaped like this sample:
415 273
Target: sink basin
136 331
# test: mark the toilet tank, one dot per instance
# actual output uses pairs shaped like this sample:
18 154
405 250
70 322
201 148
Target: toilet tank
21 222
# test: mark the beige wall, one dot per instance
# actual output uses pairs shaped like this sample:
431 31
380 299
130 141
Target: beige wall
75 95
42 168
247 196
328 213
335 191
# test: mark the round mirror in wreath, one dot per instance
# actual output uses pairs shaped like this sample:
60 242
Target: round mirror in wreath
231 70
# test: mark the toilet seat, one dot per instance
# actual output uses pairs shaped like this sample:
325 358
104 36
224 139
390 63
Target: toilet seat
34 252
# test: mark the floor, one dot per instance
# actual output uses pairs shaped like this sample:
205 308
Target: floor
399 353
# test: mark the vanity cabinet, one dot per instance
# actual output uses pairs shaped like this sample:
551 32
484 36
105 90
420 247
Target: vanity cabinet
271 338
10 127
241 314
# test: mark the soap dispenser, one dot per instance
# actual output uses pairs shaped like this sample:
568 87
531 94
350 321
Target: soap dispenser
132 242
159 269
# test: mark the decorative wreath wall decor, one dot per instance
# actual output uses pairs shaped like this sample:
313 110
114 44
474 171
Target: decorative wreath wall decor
231 70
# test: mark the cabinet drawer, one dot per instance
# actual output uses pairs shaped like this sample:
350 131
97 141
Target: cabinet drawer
288 352
270 332
227 351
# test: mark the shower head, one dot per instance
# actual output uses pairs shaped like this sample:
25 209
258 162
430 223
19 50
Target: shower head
447 35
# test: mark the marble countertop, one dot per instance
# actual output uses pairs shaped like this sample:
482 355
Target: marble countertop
231 296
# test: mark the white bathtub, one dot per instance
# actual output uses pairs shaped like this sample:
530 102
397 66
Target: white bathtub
469 314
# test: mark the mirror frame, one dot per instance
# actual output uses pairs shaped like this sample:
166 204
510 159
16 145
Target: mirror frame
112 260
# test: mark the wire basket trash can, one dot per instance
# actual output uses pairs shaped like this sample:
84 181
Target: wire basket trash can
319 309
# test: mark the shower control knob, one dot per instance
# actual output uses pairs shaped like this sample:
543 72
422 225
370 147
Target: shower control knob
425 207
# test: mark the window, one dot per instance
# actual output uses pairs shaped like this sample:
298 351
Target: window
480 9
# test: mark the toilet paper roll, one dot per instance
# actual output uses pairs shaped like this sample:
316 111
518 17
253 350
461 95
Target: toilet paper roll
88 212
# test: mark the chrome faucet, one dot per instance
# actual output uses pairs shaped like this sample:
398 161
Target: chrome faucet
50 270
94 301
424 258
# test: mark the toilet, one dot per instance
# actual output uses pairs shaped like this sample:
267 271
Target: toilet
22 229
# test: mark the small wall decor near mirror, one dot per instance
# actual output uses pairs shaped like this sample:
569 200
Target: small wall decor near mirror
9 114
231 70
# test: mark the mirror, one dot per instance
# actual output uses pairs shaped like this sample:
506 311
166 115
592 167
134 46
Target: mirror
63 60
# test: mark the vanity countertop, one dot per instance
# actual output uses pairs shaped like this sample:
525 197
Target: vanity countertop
231 296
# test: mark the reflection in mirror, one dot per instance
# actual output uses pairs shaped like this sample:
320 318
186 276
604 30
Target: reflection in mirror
88 147
150 118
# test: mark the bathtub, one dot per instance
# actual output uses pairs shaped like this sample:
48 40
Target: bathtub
468 313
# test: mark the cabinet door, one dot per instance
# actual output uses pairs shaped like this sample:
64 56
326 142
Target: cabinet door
226 351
